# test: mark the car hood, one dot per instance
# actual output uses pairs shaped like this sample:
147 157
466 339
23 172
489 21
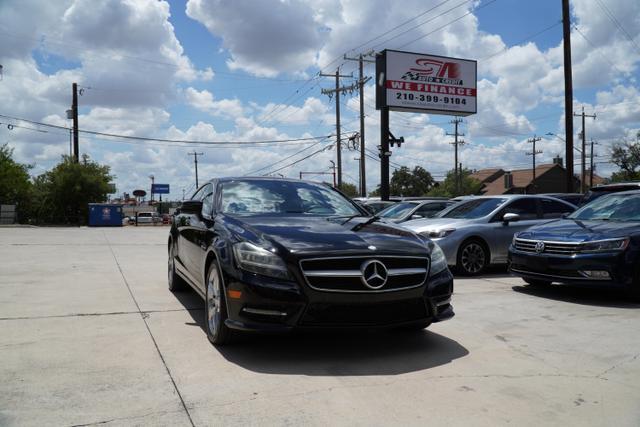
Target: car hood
434 224
313 235
570 230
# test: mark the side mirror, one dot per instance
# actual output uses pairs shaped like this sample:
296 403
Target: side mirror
193 207
510 217
564 215
416 216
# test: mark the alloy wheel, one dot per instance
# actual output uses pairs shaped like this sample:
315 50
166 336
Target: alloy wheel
214 300
473 258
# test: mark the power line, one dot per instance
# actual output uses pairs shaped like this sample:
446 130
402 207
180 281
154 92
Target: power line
617 23
421 24
482 6
298 161
181 141
282 160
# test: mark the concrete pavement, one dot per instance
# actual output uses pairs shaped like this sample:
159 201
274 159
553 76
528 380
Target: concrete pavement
89 334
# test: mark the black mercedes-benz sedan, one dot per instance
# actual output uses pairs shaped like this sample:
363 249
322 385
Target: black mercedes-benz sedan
599 244
277 254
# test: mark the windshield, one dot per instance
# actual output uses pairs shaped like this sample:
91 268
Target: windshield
472 209
615 207
283 197
397 210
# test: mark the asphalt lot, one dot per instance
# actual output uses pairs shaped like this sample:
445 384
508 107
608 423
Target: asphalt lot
89 334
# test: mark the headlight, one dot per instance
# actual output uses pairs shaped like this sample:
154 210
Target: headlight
438 260
605 245
438 234
259 260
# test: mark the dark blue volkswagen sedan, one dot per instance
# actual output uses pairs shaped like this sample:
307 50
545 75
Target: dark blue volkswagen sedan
597 244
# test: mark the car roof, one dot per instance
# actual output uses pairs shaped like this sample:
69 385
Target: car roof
614 185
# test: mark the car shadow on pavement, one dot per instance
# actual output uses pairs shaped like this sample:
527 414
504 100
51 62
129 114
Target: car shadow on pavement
336 353
583 295
342 353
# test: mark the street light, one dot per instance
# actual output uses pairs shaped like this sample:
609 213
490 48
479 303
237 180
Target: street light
563 140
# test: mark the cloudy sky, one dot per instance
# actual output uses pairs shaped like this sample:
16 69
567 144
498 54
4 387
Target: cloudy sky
242 71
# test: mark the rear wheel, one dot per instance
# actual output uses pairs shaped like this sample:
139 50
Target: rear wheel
176 283
537 282
216 308
473 257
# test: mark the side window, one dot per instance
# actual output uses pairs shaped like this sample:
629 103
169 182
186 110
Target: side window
207 200
554 209
525 207
430 209
199 194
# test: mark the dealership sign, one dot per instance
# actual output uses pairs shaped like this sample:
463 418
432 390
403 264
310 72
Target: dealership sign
425 83
160 188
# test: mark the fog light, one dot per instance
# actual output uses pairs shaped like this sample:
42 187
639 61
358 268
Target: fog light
596 274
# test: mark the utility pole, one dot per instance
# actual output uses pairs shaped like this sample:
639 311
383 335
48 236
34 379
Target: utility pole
74 112
361 82
333 172
195 160
533 154
455 143
591 167
584 158
568 93
153 180
337 92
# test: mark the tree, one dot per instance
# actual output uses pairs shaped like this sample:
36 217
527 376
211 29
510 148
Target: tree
408 183
15 183
349 189
468 185
627 157
63 193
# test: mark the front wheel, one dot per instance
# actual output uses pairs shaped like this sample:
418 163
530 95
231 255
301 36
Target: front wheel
473 258
216 308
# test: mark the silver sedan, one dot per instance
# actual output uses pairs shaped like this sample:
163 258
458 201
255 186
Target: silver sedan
477 232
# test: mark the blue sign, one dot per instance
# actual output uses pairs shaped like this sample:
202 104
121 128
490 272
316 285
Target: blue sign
160 188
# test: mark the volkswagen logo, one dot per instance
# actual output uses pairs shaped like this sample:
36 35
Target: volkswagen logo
539 247
374 274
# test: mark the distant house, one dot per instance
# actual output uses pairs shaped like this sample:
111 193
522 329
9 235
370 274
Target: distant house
550 178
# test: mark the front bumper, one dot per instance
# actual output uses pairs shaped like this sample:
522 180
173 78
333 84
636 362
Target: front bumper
570 269
270 305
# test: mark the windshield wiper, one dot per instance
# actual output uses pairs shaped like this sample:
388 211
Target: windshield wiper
364 224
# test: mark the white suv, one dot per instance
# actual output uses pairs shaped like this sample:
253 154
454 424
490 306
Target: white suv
148 218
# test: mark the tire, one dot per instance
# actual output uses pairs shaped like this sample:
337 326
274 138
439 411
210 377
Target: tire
176 283
215 307
537 282
473 257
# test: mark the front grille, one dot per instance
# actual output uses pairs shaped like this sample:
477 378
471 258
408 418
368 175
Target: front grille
375 314
344 274
559 248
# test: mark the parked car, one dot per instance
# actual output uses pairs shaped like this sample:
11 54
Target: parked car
376 206
597 244
476 233
270 254
405 211
573 198
166 219
148 218
602 190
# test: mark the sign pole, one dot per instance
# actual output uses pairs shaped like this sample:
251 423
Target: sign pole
384 153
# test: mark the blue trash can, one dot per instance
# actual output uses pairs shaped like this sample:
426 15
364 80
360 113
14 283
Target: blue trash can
105 215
